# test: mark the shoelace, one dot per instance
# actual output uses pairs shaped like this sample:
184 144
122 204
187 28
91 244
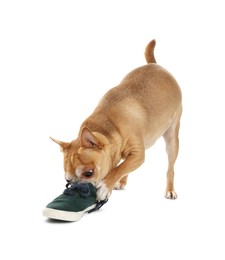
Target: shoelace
73 187
84 190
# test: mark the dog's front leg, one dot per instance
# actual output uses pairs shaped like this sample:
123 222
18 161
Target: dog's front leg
133 160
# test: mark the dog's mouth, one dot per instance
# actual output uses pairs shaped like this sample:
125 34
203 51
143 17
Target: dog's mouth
69 178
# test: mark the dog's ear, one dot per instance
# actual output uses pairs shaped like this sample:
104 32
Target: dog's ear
63 145
88 140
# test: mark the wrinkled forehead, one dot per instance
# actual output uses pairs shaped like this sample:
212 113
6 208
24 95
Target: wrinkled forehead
86 155
79 156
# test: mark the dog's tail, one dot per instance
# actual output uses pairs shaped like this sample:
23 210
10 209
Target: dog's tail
149 52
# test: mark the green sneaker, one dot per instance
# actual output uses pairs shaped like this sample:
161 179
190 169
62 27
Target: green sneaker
76 200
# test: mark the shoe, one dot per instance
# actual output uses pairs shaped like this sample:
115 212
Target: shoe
76 200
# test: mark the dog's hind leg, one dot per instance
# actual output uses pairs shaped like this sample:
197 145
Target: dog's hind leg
171 137
121 183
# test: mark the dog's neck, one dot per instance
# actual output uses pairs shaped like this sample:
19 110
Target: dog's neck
101 125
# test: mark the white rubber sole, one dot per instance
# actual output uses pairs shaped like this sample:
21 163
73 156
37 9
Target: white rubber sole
65 215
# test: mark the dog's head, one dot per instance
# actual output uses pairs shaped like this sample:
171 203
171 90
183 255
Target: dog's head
87 158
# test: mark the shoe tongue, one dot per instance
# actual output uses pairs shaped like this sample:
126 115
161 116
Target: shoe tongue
77 187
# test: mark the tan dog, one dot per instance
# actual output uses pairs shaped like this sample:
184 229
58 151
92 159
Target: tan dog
129 119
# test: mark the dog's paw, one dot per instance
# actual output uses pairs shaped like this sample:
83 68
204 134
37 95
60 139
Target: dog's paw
103 192
121 183
119 186
171 195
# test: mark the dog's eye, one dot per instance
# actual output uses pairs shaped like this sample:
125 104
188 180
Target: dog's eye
88 174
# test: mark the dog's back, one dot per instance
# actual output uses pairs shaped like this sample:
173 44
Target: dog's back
146 98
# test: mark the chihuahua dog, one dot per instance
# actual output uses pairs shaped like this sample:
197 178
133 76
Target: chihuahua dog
128 119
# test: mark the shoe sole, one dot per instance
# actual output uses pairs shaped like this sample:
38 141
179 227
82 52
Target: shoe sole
65 215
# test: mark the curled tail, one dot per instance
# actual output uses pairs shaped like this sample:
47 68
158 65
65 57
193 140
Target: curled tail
149 52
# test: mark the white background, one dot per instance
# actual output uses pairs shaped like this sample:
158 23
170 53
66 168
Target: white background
57 58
